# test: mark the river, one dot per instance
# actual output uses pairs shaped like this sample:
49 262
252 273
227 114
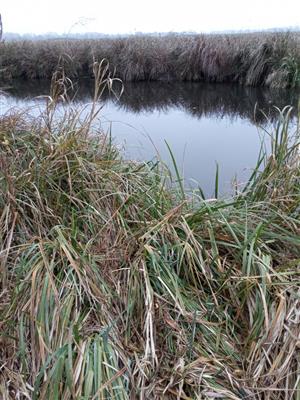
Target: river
204 124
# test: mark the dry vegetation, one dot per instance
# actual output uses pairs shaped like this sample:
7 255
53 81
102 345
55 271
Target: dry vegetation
271 59
116 285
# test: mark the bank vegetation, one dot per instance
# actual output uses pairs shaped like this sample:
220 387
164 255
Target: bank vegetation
253 59
117 284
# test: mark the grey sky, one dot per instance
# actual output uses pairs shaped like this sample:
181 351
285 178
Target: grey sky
129 16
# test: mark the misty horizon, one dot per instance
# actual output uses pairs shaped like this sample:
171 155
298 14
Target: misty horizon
127 18
96 35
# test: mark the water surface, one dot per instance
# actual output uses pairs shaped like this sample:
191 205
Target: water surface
204 124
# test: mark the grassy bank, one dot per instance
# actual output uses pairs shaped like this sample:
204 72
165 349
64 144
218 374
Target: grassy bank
117 285
271 59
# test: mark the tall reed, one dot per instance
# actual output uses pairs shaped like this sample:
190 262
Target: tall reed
255 59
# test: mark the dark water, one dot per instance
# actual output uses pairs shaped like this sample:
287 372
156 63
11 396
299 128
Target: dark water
204 124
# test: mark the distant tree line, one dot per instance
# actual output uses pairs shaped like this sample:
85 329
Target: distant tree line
13 36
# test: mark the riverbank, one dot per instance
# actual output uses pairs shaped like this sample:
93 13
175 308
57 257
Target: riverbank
254 59
117 284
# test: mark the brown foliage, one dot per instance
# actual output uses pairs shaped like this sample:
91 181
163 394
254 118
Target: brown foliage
250 59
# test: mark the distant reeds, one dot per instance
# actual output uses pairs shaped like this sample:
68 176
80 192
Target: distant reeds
116 285
253 59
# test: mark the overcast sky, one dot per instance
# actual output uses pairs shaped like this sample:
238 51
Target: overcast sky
129 16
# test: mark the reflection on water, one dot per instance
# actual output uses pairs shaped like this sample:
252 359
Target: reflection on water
198 99
203 123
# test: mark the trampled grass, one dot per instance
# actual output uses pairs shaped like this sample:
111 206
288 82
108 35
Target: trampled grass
254 59
116 286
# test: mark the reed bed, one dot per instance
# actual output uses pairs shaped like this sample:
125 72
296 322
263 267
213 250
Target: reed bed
116 284
254 59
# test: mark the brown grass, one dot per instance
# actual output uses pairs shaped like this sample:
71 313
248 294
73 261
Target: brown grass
115 285
250 59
